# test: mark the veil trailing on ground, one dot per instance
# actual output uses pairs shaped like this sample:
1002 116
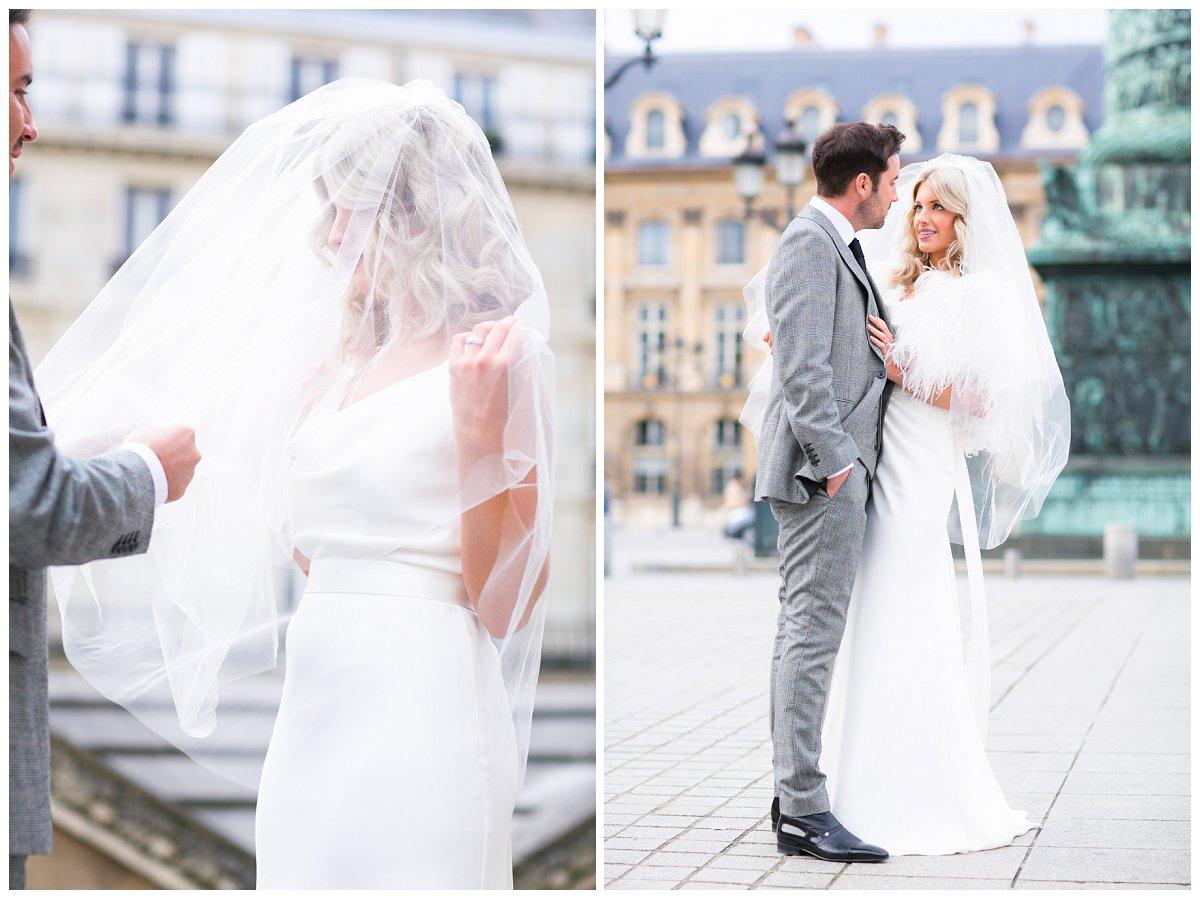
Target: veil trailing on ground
364 224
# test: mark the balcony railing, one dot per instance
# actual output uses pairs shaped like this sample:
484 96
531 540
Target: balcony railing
207 113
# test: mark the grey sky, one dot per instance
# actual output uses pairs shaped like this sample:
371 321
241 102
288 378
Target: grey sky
728 30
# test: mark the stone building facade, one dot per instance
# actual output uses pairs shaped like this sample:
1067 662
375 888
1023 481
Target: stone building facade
679 249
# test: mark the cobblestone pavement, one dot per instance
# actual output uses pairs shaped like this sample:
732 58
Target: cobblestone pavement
1089 733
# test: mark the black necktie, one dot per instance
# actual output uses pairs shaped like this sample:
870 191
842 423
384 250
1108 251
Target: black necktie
856 249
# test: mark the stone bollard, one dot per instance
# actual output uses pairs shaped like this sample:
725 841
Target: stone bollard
1012 563
1120 550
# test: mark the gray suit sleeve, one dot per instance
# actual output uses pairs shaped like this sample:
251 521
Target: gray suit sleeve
68 511
801 294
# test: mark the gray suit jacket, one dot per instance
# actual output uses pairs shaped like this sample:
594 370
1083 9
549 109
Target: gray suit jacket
62 511
830 389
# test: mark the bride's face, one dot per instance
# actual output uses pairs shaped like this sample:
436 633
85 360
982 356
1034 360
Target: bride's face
931 222
339 232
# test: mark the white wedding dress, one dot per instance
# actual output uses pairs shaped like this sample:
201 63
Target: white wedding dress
902 746
393 762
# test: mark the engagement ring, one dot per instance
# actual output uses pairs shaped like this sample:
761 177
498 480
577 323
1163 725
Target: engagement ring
473 339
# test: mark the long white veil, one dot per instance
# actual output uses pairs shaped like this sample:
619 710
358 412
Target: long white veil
364 219
1009 408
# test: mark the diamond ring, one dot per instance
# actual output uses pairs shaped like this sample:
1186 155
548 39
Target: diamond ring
472 339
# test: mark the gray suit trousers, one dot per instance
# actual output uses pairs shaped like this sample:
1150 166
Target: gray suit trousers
819 545
16 872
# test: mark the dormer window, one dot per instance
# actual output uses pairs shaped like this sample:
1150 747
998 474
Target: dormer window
895 109
655 127
1055 120
727 122
969 121
812 111
968 124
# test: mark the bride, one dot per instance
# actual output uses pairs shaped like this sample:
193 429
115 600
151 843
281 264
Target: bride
345 309
973 438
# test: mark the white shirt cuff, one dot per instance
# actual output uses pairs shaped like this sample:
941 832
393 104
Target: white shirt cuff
156 469
843 470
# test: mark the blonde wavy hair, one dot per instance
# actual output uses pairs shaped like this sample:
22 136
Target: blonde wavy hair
950 185
440 251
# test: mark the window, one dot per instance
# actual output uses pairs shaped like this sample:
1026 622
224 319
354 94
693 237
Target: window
149 84
727 434
731 242
144 211
810 124
1056 118
19 263
889 118
656 130
650 475
650 466
650 434
731 126
968 123
477 94
653 239
651 344
729 325
310 73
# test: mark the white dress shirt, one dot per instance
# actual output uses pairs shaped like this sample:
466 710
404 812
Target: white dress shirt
846 231
155 466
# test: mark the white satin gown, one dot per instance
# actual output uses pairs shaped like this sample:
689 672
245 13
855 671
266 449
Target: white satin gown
393 762
902 743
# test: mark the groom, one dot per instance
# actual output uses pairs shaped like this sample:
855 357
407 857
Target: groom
820 442
62 511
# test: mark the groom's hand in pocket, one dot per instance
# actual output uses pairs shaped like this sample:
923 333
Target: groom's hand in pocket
834 483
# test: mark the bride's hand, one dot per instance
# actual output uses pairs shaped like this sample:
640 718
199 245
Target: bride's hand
881 338
770 340
480 361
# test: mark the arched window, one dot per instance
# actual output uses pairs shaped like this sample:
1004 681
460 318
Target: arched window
968 123
656 129
810 124
1056 118
889 118
731 126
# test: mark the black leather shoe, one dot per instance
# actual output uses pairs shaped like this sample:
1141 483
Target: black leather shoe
774 813
824 837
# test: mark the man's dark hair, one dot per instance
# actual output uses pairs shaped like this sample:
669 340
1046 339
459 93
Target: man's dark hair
846 150
18 17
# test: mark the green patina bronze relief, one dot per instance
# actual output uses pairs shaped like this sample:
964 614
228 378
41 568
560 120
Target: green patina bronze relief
1115 259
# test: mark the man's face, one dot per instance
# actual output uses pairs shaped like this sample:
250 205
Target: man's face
21 128
874 208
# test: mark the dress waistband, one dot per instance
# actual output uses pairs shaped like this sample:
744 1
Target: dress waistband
382 576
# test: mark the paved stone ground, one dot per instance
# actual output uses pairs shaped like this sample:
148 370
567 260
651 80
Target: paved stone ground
1089 733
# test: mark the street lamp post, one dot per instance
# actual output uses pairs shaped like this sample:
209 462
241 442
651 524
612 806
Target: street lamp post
750 169
647 26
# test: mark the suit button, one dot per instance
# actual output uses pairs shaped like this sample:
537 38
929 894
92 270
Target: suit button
881 374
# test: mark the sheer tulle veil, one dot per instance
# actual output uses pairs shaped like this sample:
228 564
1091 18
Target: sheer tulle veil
1009 409
365 218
